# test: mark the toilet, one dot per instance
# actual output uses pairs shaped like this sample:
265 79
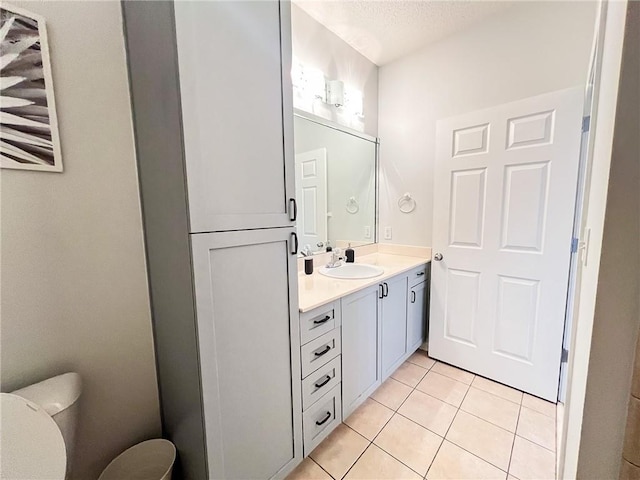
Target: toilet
38 428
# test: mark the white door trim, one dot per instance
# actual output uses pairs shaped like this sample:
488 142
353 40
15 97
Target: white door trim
611 26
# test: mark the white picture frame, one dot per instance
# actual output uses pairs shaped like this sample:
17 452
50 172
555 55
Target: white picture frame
29 137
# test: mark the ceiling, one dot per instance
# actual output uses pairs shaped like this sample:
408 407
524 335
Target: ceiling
385 30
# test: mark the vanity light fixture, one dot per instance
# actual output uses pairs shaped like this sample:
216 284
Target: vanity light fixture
310 85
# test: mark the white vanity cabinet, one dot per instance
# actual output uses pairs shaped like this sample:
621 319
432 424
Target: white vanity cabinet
321 367
244 343
360 347
211 97
393 321
382 326
416 310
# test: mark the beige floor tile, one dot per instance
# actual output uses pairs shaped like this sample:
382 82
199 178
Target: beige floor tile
392 393
539 405
409 374
413 445
308 470
339 451
445 388
421 359
428 411
375 464
498 389
531 462
453 372
369 418
491 408
487 441
454 463
538 428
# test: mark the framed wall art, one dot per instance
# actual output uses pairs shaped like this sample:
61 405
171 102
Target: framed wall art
29 137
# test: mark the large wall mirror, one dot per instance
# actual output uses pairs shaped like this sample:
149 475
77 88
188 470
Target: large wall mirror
335 184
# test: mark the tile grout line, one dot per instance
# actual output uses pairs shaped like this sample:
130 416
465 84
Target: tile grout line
445 433
396 412
359 456
515 434
321 467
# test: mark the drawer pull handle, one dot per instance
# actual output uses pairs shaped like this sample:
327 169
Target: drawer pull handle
419 274
324 320
324 420
326 380
326 350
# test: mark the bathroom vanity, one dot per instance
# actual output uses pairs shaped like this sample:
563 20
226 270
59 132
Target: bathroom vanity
354 333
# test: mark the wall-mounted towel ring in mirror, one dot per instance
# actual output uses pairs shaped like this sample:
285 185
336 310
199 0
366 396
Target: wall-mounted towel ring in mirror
352 205
406 203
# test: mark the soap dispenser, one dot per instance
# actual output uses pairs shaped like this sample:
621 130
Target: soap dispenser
350 255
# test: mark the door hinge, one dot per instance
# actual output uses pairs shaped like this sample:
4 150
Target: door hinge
564 357
574 245
586 123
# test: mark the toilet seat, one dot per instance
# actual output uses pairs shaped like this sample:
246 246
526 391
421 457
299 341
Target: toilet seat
31 442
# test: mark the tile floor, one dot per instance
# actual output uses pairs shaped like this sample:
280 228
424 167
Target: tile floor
433 421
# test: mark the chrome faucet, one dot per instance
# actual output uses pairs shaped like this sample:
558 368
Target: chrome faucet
336 259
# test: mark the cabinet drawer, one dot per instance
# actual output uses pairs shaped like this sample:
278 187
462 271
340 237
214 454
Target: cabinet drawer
318 352
320 382
320 420
418 275
318 322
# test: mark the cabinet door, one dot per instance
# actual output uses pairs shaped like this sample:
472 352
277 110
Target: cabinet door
234 60
393 318
360 347
416 316
247 302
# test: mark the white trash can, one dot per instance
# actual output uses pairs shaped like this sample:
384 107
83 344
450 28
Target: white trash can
150 460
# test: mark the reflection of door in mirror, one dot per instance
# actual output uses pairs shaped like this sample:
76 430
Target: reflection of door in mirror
311 192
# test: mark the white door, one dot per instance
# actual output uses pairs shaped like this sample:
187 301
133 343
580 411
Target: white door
504 197
311 194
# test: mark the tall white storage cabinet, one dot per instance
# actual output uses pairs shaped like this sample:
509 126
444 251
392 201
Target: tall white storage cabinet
211 96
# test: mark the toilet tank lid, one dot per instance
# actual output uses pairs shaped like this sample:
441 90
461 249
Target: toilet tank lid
54 394
32 444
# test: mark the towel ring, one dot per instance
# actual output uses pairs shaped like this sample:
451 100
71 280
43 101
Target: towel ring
406 203
352 206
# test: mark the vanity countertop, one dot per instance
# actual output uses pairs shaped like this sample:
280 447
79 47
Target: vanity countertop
316 289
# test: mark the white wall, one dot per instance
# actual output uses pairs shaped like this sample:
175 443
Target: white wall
617 312
315 46
74 288
532 48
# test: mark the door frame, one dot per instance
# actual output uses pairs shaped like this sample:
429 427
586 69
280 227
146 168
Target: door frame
609 31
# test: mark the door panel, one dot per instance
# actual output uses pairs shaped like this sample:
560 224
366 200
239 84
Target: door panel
462 306
468 194
505 185
236 113
524 206
249 368
311 192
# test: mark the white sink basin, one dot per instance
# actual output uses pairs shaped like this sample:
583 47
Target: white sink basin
352 271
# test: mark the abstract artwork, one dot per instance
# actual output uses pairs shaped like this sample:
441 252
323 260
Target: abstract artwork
28 125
